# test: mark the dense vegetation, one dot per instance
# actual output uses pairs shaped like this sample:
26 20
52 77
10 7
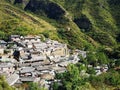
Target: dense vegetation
89 22
82 77
77 78
4 85
30 86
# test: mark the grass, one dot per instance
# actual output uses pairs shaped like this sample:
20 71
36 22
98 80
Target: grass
97 12
27 20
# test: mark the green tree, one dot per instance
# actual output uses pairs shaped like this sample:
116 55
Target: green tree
91 71
81 67
117 63
102 59
55 86
72 80
92 59
34 86
112 78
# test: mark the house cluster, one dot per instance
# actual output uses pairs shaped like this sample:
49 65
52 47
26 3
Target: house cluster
28 59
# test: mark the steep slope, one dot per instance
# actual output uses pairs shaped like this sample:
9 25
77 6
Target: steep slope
55 14
93 18
115 8
16 21
115 11
80 23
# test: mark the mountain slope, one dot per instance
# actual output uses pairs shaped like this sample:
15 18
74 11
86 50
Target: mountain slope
93 18
80 23
65 28
16 21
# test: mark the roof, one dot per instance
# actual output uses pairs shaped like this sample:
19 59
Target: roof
18 81
15 36
24 64
34 52
43 68
51 57
27 79
64 64
3 42
24 57
12 79
6 65
45 62
59 69
35 64
36 58
27 69
40 45
47 76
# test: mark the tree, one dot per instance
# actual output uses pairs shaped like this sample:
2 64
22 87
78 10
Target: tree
91 71
112 78
34 86
81 67
102 59
83 60
72 80
55 86
117 63
92 59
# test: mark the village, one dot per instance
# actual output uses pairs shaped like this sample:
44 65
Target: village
29 59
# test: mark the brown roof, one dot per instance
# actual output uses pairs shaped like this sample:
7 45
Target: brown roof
47 76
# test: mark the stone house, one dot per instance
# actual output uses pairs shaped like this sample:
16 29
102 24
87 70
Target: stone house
7 68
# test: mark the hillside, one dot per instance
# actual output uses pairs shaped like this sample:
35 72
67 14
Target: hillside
93 18
80 23
16 21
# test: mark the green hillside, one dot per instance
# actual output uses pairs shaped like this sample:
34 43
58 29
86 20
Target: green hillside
16 21
80 23
94 18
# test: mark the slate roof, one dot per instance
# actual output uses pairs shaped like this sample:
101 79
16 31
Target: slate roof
41 68
27 69
27 79
6 65
11 80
